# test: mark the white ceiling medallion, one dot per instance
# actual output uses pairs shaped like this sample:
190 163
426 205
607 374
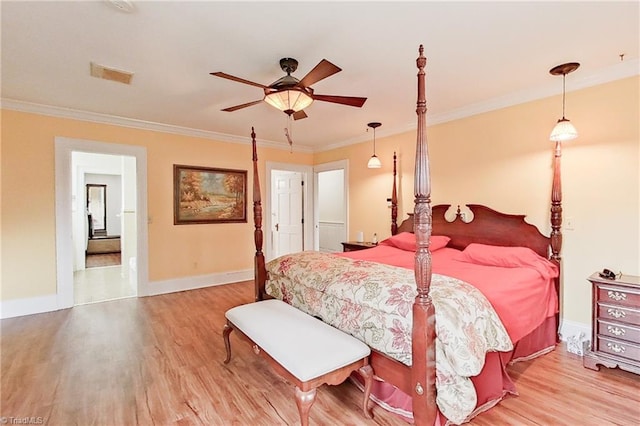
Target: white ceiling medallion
122 5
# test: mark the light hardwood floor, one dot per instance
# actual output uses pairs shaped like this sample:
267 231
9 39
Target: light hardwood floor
158 361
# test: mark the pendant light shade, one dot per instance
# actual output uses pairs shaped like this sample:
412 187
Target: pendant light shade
374 161
563 130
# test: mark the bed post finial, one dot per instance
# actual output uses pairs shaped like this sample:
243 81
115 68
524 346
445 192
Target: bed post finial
260 273
556 206
394 199
423 373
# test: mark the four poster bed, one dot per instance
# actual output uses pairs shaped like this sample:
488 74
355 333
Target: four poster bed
470 297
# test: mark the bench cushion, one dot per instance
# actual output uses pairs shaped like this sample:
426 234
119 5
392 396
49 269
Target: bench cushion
302 344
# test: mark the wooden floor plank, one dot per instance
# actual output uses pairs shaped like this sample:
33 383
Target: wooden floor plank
158 361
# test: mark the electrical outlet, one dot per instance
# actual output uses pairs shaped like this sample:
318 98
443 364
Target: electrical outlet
568 225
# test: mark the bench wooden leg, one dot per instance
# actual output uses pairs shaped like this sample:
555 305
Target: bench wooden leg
227 345
367 374
304 401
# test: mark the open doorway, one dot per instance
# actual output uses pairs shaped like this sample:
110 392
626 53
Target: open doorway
104 190
103 197
81 162
331 205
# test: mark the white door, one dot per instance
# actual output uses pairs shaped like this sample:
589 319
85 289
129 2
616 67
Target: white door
286 215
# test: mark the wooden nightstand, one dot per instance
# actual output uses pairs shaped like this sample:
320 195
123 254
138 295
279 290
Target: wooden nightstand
616 324
355 246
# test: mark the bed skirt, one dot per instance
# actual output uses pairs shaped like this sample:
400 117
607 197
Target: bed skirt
492 384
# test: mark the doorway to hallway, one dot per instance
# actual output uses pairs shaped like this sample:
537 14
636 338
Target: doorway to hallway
76 160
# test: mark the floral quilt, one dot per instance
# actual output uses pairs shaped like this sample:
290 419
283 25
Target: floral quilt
373 302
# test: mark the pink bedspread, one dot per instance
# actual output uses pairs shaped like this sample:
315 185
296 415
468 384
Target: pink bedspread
522 297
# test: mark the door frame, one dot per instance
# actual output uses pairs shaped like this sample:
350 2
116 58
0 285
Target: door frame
325 167
64 147
308 211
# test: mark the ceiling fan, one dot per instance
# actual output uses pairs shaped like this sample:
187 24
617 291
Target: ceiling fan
292 96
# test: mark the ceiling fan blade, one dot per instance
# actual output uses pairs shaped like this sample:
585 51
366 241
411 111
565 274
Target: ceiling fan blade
238 79
321 71
344 100
299 115
237 107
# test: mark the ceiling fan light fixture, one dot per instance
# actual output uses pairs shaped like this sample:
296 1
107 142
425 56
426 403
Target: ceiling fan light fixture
289 100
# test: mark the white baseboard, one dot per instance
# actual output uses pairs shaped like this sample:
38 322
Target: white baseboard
49 303
570 328
28 306
192 283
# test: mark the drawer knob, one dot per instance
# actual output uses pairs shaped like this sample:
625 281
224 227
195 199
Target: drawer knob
616 296
616 330
616 348
616 313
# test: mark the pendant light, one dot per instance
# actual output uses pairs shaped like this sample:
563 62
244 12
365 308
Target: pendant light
374 161
563 130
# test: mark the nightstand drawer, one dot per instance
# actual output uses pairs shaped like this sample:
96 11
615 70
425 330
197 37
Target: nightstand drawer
620 331
618 295
619 348
618 313
615 335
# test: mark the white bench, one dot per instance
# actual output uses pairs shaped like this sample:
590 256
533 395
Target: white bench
305 351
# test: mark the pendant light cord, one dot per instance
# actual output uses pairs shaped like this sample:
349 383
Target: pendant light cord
564 91
374 141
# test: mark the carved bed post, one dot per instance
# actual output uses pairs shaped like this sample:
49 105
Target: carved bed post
260 272
423 370
556 206
394 200
556 221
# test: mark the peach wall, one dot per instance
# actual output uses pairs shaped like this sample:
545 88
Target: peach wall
503 159
28 200
500 158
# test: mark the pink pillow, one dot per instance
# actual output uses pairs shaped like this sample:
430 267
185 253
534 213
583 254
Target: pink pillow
407 241
507 257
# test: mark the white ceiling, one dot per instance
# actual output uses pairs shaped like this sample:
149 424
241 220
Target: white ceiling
481 56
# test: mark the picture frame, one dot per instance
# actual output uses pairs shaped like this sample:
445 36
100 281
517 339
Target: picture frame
209 195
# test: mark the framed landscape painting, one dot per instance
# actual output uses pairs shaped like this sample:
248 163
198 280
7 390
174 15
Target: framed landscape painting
208 195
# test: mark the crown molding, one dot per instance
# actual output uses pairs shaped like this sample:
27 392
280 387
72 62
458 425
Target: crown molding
54 111
623 69
616 72
628 68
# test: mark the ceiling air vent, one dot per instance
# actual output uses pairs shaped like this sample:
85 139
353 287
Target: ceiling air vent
105 73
